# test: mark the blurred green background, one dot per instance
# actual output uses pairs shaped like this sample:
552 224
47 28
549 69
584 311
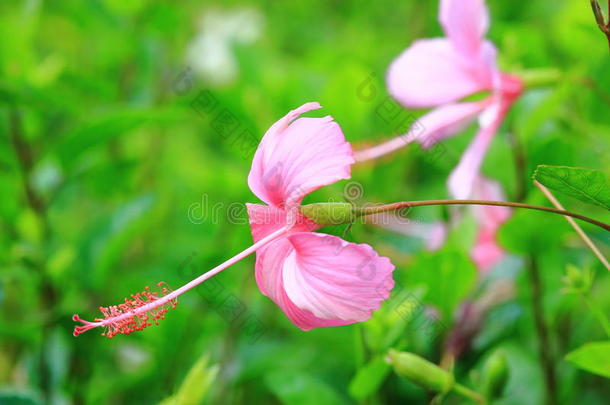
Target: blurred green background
111 180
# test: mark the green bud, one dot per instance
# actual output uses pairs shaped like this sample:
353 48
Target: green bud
329 213
495 375
420 371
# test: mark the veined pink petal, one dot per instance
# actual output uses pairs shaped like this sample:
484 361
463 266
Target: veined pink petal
265 220
465 23
432 72
335 279
269 277
295 159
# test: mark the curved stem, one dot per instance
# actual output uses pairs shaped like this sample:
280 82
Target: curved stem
407 204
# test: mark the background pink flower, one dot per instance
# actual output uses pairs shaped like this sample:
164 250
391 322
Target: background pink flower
440 72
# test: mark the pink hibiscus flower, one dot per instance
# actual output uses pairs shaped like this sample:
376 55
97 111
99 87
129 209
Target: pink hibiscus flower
439 73
316 279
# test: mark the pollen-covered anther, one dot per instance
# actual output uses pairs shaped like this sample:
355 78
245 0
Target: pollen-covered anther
136 313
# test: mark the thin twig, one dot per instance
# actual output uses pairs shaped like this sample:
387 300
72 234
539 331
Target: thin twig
576 227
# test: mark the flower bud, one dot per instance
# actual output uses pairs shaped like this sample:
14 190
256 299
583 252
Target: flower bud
495 375
420 371
335 213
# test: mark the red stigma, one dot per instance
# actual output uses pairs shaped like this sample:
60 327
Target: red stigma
116 322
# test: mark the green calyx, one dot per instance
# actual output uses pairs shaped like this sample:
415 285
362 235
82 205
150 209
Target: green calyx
535 78
335 213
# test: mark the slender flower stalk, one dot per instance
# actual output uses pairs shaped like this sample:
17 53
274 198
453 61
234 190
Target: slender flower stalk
137 313
574 225
384 148
408 204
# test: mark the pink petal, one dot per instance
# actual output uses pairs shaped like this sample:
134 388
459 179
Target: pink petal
270 263
295 159
486 252
334 279
433 127
269 277
436 236
432 72
486 189
448 120
462 178
465 23
265 219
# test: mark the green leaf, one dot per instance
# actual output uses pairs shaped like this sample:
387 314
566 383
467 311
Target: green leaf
195 385
293 388
587 185
593 357
368 379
